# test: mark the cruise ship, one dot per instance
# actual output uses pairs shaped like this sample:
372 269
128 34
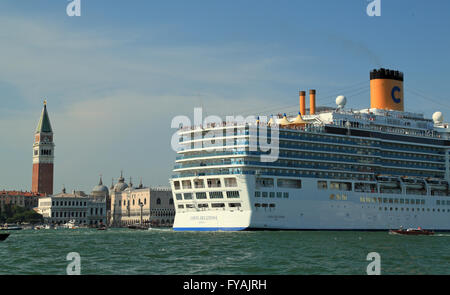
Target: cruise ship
334 168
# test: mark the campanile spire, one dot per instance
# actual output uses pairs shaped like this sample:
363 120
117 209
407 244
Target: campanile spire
43 155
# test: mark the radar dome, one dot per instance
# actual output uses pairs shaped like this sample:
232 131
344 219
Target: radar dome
438 117
341 101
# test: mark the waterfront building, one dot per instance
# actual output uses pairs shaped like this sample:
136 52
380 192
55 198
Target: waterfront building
28 200
43 155
129 204
101 192
76 206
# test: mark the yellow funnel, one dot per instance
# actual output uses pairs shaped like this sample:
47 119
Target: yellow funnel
386 90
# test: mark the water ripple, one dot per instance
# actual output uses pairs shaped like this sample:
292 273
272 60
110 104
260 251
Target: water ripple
122 251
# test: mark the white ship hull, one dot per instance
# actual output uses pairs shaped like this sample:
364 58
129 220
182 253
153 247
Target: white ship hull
310 208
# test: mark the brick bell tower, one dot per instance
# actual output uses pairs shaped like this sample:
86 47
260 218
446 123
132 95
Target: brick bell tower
43 155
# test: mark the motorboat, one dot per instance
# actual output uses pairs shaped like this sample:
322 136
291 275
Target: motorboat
7 227
411 231
102 227
138 226
70 224
38 227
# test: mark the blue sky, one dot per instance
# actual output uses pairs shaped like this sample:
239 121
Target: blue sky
116 76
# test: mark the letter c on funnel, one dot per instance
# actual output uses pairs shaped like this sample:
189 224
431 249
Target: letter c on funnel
394 90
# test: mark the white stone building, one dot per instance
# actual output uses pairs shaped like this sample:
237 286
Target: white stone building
129 203
77 206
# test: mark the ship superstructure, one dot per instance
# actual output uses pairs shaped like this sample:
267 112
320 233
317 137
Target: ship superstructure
337 169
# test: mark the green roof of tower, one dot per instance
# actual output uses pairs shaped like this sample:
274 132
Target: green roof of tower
44 121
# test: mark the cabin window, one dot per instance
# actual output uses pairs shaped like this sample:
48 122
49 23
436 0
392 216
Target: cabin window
230 182
200 196
321 184
264 182
213 182
215 195
186 184
198 183
289 183
233 194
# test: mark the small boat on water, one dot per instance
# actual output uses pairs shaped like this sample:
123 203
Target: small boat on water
138 226
70 225
412 231
11 228
38 227
102 227
3 237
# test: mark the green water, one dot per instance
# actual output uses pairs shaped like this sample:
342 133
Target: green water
123 251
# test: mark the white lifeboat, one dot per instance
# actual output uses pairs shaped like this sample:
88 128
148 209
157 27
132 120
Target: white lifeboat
437 184
412 182
387 181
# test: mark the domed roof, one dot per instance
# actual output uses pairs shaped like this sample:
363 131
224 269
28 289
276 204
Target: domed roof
100 188
120 185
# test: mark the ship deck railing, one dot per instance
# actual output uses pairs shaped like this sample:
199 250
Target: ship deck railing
322 166
319 127
307 148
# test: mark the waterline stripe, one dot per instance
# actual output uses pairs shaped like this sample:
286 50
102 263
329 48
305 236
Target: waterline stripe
209 228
